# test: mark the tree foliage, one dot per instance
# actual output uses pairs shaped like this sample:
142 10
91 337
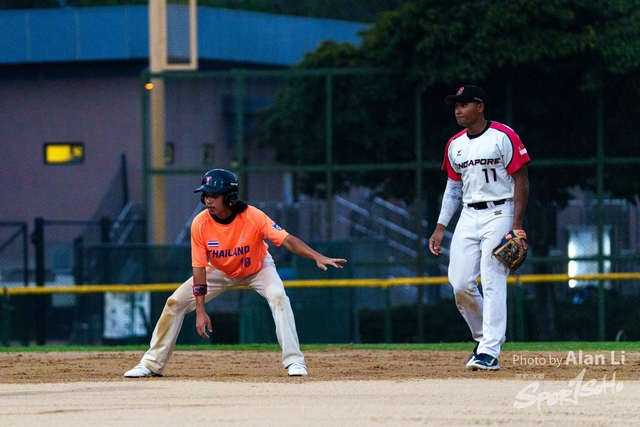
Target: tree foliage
544 65
369 121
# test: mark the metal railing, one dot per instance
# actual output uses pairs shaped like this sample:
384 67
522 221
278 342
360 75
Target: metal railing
386 284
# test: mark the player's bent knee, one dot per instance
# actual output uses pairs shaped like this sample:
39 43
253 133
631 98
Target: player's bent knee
463 288
174 305
276 295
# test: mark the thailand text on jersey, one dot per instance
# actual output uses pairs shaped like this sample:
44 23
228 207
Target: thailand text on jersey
484 163
236 249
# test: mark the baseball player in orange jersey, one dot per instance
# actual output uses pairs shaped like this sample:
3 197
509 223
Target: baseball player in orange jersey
228 251
486 166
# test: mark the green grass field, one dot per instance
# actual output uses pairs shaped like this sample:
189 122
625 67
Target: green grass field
631 346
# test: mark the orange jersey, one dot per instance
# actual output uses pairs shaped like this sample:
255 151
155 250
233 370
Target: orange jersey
235 249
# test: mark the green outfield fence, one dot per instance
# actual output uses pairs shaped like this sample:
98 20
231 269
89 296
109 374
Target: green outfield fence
518 321
193 121
192 109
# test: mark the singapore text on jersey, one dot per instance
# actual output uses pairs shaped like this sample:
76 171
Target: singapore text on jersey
478 162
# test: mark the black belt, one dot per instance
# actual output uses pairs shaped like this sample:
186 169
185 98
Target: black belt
483 205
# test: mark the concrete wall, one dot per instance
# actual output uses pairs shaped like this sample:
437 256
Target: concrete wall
103 112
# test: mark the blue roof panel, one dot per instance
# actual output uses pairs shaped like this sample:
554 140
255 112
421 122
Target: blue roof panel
105 33
121 33
14 46
52 35
269 39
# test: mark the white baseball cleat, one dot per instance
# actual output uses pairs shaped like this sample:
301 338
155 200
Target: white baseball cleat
140 371
485 362
297 370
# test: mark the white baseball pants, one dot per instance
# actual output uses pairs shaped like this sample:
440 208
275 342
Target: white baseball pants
266 282
476 234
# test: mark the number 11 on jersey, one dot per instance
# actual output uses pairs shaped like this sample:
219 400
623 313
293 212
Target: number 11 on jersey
486 174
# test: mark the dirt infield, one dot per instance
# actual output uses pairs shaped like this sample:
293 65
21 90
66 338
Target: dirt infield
344 388
329 365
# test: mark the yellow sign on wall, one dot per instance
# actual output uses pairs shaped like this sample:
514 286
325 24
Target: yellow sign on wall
63 153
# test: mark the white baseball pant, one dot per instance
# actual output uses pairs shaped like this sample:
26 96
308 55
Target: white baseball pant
476 234
266 282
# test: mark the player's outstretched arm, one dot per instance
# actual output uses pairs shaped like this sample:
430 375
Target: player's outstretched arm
298 247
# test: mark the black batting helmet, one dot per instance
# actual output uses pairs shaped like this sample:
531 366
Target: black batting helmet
220 181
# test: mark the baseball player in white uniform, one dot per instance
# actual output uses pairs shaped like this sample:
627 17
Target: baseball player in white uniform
228 251
486 167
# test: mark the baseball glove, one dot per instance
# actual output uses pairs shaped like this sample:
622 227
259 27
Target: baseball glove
512 249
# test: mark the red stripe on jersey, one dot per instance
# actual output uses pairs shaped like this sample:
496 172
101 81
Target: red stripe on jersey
520 154
446 165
